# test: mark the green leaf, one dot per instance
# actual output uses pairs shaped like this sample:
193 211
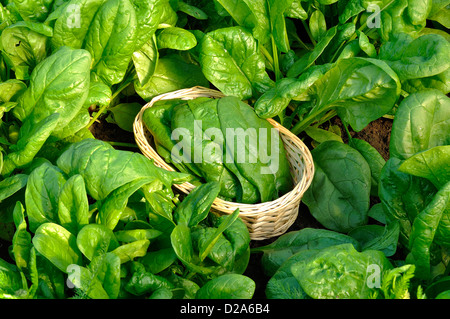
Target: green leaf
33 10
23 49
403 196
10 279
10 90
110 40
277 9
230 60
149 14
31 140
317 25
74 22
73 205
175 38
21 243
284 247
276 99
172 73
373 158
208 245
124 114
11 185
142 282
283 284
94 240
182 245
58 245
145 61
339 194
122 167
432 164
424 230
42 195
368 89
308 59
132 250
230 286
99 94
418 11
196 206
376 237
344 273
112 207
365 45
60 84
421 122
320 135
423 57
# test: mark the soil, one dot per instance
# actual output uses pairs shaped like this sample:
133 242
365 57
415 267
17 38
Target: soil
376 133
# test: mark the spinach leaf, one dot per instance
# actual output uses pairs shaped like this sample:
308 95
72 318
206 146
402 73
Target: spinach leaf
176 38
42 195
142 282
181 239
23 49
431 164
276 99
271 177
420 123
93 240
229 286
115 203
346 87
424 230
195 207
59 84
58 245
283 284
376 237
123 167
145 61
309 58
110 40
74 22
345 272
231 61
33 10
172 73
342 176
132 250
73 206
422 57
31 140
10 279
373 158
21 243
403 196
395 19
284 247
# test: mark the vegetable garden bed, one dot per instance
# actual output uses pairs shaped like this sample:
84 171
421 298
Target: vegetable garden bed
364 84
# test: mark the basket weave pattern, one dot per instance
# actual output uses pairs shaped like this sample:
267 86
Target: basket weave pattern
264 220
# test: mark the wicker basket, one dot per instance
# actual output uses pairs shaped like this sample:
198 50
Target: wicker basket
264 220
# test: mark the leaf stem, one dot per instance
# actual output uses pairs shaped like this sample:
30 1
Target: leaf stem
302 125
104 107
276 64
122 144
309 33
267 56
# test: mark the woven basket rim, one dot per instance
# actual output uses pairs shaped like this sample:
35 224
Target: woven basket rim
248 210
